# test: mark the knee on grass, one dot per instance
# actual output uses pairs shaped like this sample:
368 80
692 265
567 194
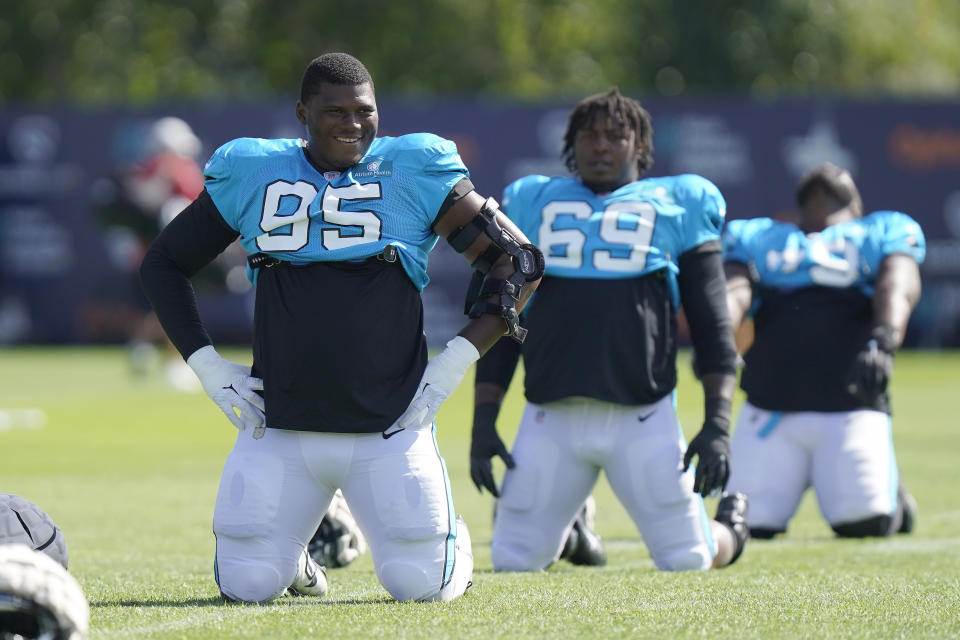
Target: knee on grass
684 560
508 557
877 526
409 581
764 533
251 582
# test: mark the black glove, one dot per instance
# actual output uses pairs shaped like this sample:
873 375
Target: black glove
712 448
485 444
870 372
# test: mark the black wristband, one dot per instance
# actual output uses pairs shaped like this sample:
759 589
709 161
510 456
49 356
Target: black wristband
485 415
886 337
717 412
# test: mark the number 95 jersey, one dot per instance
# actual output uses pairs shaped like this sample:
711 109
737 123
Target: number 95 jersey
338 337
282 205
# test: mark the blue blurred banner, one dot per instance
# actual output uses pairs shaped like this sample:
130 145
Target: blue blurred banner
67 276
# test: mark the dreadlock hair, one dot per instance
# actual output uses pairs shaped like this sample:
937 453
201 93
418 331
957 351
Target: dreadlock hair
622 109
332 68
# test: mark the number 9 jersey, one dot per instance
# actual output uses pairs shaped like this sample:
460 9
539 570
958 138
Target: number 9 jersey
812 303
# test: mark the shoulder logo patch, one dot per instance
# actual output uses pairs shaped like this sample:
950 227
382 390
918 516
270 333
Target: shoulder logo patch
375 167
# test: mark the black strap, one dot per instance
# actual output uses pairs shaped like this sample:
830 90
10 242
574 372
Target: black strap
509 292
458 191
464 236
488 258
264 261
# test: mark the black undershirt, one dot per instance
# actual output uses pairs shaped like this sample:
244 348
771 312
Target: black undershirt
615 340
805 343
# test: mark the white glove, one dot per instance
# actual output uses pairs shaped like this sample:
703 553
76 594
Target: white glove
442 375
351 544
230 386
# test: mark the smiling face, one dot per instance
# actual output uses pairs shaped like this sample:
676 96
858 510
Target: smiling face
605 154
341 122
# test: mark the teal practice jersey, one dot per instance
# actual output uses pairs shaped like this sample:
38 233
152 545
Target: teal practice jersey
640 228
282 206
612 261
782 256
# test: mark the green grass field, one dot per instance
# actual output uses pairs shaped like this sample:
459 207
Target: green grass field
129 469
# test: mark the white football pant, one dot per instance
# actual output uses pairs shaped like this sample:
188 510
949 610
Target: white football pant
275 490
559 452
847 457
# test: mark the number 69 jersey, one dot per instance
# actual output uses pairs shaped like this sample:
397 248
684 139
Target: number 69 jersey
281 205
603 321
637 229
812 304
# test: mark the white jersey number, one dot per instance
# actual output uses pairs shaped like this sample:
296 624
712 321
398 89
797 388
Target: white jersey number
287 232
835 264
838 264
628 224
290 232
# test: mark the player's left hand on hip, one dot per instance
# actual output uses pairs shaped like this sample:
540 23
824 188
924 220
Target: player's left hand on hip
712 448
232 388
871 370
442 375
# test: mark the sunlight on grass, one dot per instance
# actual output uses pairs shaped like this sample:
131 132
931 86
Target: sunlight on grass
129 469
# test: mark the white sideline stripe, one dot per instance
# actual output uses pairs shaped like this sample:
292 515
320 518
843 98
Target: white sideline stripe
623 543
191 620
895 544
225 612
923 545
942 516
31 418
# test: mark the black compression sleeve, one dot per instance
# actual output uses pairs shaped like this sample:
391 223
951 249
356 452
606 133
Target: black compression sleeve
499 363
703 293
462 188
191 241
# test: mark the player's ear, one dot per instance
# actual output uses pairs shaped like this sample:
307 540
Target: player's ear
301 112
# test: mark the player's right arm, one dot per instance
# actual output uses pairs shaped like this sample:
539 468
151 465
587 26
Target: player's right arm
739 284
739 299
191 241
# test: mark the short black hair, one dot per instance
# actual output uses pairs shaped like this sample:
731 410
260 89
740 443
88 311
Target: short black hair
614 104
836 182
332 68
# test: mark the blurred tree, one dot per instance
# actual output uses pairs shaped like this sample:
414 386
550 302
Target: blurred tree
143 51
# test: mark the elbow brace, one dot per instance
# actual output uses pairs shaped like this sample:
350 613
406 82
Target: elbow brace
527 260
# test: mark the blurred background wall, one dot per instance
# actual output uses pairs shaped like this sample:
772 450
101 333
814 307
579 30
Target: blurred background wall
750 94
